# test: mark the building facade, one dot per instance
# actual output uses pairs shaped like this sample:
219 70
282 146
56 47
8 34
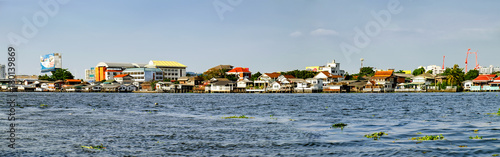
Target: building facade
332 68
144 74
90 74
240 73
171 70
434 68
107 70
488 70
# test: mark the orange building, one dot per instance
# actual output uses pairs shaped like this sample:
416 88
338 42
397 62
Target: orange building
107 70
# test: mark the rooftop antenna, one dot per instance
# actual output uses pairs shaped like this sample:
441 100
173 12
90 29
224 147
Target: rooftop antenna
362 59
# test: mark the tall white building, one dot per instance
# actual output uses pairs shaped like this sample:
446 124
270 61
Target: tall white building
488 70
434 68
90 74
333 68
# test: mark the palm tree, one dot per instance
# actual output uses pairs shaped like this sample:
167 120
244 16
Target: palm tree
456 76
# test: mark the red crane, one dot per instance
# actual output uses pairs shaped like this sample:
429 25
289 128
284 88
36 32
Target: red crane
443 62
477 65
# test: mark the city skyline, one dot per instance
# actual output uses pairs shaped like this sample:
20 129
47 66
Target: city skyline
264 36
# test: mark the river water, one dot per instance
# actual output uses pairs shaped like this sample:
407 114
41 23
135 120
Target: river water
58 124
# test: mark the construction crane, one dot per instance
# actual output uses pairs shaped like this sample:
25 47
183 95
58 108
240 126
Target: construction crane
477 65
443 62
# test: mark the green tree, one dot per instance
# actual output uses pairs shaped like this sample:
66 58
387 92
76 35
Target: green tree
62 74
472 74
255 76
400 71
418 71
45 77
153 85
231 77
430 72
456 76
59 74
303 74
446 72
366 71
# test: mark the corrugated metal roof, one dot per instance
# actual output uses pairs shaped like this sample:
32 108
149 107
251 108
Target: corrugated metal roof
167 64
116 65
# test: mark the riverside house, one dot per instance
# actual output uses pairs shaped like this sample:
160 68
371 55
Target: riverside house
419 83
328 78
123 79
382 81
220 85
240 73
261 84
485 82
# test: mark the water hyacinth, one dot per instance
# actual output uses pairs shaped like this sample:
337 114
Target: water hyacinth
237 117
339 125
98 147
476 138
428 138
376 135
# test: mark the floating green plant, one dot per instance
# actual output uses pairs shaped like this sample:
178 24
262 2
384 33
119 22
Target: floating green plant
272 117
43 105
475 131
498 113
428 138
476 138
237 117
418 133
376 135
98 147
494 155
462 146
339 125
292 119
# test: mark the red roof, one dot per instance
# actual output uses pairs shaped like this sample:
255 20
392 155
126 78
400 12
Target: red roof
273 75
484 78
387 73
121 75
72 80
288 76
497 79
239 70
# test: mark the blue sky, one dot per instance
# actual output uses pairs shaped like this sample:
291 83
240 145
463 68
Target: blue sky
263 35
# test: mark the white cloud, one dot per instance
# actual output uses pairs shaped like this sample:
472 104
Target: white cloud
323 32
296 34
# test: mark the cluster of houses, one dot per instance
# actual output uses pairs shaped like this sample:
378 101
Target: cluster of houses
169 76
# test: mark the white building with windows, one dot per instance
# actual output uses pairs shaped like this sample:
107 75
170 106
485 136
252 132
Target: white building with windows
488 70
332 68
434 68
144 74
90 74
171 70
